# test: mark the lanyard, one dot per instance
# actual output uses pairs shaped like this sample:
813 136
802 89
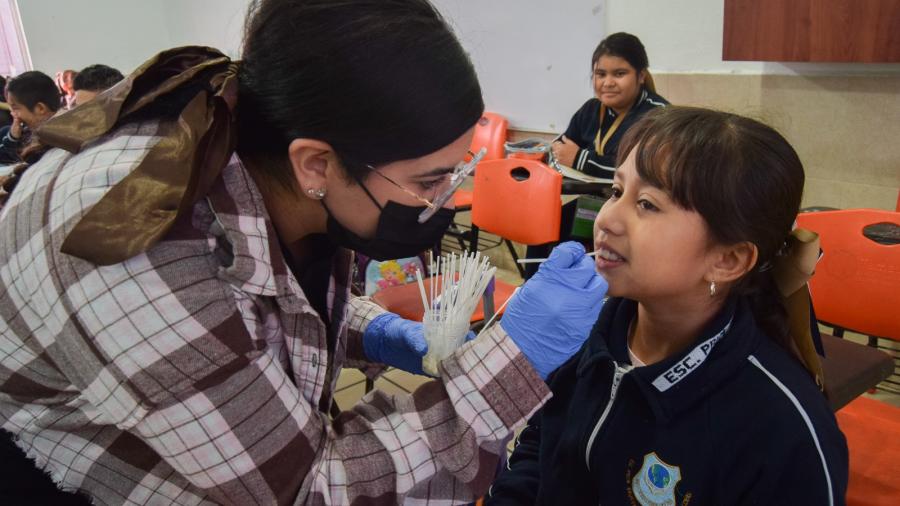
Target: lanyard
601 144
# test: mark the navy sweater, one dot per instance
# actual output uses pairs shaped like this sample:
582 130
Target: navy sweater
733 419
9 147
583 131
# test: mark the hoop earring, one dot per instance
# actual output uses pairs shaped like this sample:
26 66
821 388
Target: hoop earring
316 193
712 288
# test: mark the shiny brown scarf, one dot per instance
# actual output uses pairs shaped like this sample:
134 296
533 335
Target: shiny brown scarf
194 147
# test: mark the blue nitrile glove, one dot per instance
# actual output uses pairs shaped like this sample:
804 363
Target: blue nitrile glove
551 316
397 342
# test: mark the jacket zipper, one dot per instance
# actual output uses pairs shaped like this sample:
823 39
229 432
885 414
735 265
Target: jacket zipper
618 374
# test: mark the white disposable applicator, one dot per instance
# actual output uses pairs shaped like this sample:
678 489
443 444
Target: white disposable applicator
457 284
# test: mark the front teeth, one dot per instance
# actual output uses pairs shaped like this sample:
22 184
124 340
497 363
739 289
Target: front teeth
609 255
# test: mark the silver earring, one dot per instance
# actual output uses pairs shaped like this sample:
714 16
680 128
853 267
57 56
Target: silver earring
316 193
712 288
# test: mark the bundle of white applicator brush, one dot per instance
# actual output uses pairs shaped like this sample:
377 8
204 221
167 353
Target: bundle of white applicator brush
457 284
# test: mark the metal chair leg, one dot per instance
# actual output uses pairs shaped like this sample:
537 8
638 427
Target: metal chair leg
515 256
473 242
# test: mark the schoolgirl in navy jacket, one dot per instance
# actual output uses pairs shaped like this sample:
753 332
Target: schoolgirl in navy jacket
731 420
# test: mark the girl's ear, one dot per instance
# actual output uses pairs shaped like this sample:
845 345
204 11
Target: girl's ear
731 262
311 160
41 109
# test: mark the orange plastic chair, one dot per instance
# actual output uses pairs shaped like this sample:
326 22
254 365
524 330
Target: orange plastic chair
871 428
857 282
490 133
462 200
856 286
517 200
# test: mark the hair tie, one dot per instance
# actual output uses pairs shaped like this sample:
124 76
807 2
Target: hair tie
780 252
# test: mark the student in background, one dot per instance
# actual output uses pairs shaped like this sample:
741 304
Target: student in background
33 98
178 307
92 80
623 93
64 82
689 390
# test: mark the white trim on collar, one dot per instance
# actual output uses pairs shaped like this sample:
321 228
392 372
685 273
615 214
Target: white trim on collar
689 363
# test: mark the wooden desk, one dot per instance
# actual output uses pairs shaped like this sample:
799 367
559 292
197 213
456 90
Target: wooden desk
851 369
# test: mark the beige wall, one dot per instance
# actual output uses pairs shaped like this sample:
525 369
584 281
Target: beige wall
846 129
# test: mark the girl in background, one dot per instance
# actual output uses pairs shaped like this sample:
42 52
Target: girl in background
623 93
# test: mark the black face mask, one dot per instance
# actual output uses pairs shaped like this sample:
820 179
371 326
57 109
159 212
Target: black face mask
399 233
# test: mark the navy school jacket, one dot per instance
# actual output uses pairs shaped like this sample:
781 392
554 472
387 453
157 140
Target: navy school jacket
583 131
734 419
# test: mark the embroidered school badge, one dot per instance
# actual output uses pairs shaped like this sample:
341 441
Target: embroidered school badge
654 484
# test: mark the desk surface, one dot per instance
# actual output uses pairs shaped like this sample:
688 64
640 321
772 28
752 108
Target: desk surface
578 183
851 369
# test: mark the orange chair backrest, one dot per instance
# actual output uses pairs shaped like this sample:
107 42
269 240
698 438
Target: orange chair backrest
490 133
518 200
857 282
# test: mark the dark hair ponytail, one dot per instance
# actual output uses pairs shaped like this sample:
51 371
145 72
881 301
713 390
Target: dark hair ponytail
762 293
740 175
379 80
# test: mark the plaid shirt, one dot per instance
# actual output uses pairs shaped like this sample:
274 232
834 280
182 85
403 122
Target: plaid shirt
198 372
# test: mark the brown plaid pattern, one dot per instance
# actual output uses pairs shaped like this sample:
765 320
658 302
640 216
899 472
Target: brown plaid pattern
198 372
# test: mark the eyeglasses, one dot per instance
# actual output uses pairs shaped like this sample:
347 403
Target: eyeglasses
457 178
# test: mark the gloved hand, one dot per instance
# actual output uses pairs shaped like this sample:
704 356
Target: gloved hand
394 341
551 316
